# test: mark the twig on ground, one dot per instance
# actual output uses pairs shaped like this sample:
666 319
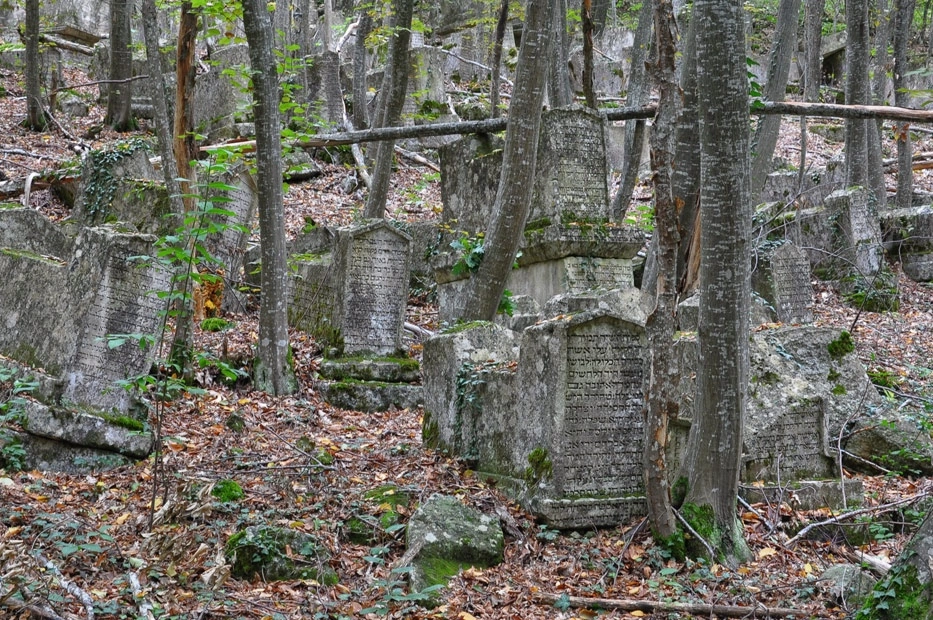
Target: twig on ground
70 587
702 609
694 533
857 513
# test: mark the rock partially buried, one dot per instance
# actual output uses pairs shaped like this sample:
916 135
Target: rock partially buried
445 536
276 554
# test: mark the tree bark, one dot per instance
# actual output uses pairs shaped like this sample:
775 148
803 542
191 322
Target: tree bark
880 67
513 198
35 113
904 12
660 399
587 24
395 87
857 92
496 62
559 92
273 369
360 65
119 95
715 449
634 137
162 123
813 66
785 44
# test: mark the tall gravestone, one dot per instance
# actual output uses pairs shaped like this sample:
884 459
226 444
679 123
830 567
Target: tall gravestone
788 445
782 278
860 241
355 298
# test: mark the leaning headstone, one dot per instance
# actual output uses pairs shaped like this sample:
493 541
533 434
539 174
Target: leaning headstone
789 444
908 237
470 169
782 278
123 303
861 234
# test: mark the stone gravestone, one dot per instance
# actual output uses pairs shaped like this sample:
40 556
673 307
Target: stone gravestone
782 278
470 169
241 202
860 242
791 444
124 302
571 167
355 299
562 428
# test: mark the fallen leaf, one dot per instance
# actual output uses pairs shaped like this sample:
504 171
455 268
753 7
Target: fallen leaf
767 552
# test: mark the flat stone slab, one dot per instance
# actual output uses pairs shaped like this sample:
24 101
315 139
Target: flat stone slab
86 430
387 370
806 494
370 396
56 456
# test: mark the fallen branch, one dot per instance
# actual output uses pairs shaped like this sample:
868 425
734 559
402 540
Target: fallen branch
67 45
415 157
22 152
856 513
96 82
70 587
38 612
700 609
418 330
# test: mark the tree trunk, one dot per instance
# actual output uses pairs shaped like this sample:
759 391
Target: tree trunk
395 87
634 137
163 125
559 92
273 372
904 12
513 198
35 113
120 95
881 66
783 48
660 400
587 24
185 152
715 451
600 14
813 66
360 65
857 92
496 62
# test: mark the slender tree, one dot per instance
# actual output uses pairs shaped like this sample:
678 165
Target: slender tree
812 70
394 87
560 93
634 138
904 13
35 113
857 92
513 198
273 372
120 93
715 446
661 401
496 61
360 107
586 17
782 49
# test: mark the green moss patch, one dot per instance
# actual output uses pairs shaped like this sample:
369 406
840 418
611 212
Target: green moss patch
841 346
275 554
227 491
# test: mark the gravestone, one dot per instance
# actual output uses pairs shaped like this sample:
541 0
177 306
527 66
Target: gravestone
571 174
470 169
782 278
241 200
372 264
861 233
123 303
561 429
789 444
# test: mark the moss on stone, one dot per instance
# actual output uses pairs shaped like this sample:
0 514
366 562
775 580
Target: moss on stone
841 346
271 553
439 571
227 491
462 327
839 390
539 466
123 421
388 494
430 431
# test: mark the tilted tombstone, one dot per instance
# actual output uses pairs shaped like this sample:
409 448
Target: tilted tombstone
356 298
782 278
788 444
860 242
124 303
470 169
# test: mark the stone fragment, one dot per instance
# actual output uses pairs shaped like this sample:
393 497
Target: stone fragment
275 554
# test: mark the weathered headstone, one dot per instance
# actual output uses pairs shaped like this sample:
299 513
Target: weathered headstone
861 233
789 444
908 237
470 169
571 174
782 277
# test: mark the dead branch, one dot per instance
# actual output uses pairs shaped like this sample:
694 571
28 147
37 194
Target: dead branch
695 534
415 157
21 152
700 609
857 513
38 612
351 29
70 587
67 45
798 108
96 82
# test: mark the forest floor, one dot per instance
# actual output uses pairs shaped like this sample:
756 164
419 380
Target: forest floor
146 540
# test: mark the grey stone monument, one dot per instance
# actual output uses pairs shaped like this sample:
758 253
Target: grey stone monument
782 278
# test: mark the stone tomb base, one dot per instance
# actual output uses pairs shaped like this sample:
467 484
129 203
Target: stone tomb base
806 494
371 384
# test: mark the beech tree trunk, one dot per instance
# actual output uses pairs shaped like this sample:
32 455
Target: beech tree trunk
35 112
857 92
880 64
273 372
904 13
783 48
660 399
360 66
559 92
587 24
394 87
120 95
812 70
496 61
634 138
715 450
163 125
513 198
